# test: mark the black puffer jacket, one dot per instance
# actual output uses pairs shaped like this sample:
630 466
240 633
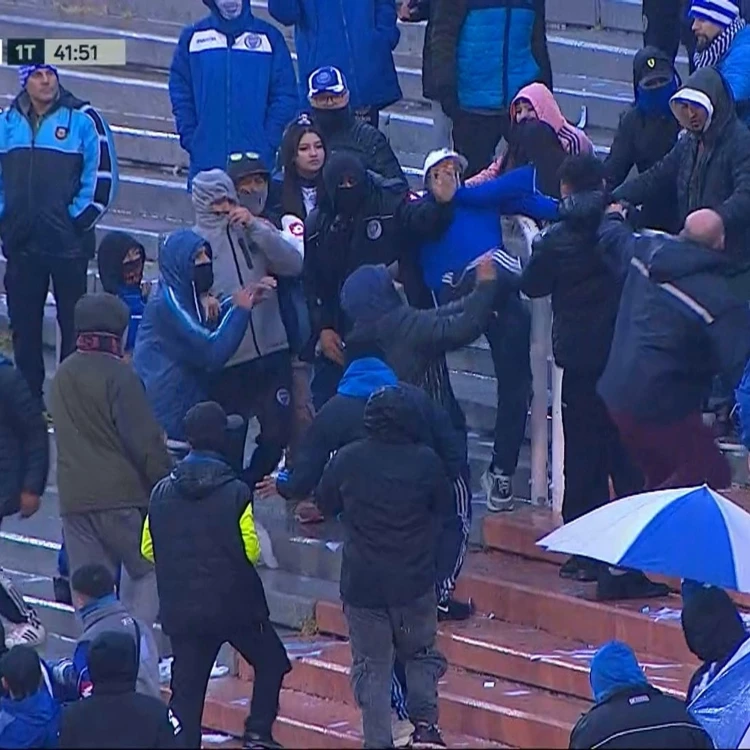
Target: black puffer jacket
677 327
710 170
566 264
369 144
642 140
24 445
206 583
395 497
386 229
639 717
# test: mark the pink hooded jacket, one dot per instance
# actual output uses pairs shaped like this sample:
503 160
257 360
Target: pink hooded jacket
572 139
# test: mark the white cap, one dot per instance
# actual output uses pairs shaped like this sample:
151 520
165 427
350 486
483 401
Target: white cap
435 157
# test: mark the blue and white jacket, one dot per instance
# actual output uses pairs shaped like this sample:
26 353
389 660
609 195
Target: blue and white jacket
357 37
175 352
735 67
232 87
57 177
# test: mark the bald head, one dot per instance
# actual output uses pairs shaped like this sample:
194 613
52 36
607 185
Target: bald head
704 227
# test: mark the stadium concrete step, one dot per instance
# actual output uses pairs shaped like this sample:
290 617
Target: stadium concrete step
305 721
475 703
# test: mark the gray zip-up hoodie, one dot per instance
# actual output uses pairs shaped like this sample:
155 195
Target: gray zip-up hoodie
242 257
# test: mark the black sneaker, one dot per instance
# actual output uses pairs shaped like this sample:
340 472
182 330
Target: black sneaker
580 569
427 735
630 585
61 587
453 609
254 741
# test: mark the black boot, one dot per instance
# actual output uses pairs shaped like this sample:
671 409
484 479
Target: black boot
630 584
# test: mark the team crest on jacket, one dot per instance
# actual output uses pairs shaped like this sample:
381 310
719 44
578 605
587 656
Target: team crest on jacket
61 133
374 229
253 41
284 397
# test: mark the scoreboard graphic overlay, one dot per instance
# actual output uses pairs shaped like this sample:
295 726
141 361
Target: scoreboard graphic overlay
63 52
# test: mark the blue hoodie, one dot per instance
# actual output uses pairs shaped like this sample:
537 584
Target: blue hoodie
476 224
615 668
232 87
364 376
176 353
33 722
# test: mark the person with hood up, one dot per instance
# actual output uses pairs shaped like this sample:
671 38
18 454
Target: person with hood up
631 713
678 326
478 57
121 260
232 86
388 564
566 264
177 353
110 452
246 249
117 715
362 220
448 266
59 177
713 630
100 611
330 100
201 535
358 38
29 713
709 166
647 132
723 42
535 103
24 465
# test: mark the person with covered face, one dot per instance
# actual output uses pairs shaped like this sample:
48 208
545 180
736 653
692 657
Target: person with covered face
232 86
722 40
330 100
539 135
647 132
709 166
178 349
362 220
257 378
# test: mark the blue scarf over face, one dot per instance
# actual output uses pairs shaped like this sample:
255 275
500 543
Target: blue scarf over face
654 102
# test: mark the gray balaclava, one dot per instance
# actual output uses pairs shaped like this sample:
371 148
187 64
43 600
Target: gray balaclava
229 9
208 187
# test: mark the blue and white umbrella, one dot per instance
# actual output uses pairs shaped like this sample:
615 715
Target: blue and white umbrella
687 533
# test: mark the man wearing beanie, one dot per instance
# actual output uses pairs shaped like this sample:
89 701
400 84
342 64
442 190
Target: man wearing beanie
59 177
723 41
201 535
630 713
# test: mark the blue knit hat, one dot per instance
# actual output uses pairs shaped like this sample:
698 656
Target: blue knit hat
25 71
721 12
614 668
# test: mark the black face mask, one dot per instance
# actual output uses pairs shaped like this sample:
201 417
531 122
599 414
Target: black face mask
350 199
203 278
132 273
332 120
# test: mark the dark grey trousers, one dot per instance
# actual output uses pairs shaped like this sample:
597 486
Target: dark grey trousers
377 635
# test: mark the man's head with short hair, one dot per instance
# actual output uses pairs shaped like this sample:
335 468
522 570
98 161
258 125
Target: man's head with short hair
705 227
90 583
21 672
581 173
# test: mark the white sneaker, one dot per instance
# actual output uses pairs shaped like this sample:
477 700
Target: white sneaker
401 730
26 634
499 490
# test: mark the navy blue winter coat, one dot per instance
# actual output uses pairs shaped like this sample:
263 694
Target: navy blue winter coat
232 87
357 36
175 352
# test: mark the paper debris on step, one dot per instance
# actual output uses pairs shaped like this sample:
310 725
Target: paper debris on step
489 683
215 739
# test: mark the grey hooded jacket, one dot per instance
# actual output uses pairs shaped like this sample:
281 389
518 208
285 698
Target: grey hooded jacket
243 256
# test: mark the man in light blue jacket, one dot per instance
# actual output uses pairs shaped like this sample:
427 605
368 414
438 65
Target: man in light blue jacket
358 38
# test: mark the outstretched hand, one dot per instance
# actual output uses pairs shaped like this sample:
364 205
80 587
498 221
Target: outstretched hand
266 488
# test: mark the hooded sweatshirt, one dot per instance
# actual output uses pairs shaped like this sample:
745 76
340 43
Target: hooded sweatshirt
390 536
29 723
116 716
110 449
572 139
241 258
176 352
713 631
614 668
111 252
